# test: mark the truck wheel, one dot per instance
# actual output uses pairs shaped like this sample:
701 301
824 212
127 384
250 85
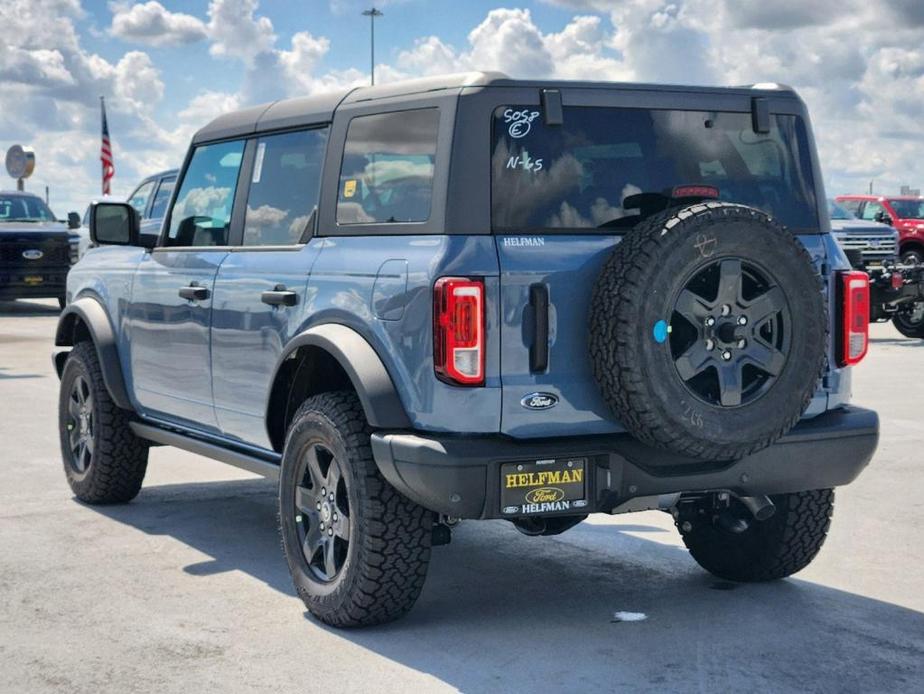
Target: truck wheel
103 459
357 549
708 331
767 550
910 323
913 257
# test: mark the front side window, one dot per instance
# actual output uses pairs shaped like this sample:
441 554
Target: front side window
284 187
838 211
872 210
387 171
608 168
162 197
139 199
201 215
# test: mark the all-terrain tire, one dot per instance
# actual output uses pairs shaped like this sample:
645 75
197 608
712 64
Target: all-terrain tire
910 324
632 335
388 553
118 459
768 550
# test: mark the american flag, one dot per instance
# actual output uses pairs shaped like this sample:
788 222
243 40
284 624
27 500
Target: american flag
105 152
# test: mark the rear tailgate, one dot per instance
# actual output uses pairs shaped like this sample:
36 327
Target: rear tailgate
565 267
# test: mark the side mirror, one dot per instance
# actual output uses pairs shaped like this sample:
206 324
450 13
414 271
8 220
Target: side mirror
114 224
73 220
883 217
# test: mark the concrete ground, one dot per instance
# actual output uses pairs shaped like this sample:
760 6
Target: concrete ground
186 590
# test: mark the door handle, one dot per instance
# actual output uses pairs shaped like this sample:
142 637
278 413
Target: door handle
194 293
279 296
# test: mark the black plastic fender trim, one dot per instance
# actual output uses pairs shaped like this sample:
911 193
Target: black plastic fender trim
367 373
92 314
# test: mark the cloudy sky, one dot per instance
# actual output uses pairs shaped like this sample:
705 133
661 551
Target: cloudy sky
166 68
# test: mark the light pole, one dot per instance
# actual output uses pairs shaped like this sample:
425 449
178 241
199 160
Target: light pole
372 13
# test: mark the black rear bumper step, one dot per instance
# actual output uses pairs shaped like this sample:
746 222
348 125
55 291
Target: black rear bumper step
461 476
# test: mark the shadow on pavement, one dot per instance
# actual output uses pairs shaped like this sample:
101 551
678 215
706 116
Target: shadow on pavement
897 341
29 308
503 612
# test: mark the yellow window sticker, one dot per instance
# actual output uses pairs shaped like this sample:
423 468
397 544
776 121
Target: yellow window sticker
349 188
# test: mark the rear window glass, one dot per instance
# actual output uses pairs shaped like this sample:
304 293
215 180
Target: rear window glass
590 172
387 171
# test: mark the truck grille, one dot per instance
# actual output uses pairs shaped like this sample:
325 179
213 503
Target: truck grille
55 253
872 246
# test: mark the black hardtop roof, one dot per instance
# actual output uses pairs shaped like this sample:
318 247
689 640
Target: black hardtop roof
319 108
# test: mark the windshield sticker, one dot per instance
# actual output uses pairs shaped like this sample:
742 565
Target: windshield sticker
519 122
525 162
349 188
258 164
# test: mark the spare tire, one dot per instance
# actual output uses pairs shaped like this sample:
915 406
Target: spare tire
708 330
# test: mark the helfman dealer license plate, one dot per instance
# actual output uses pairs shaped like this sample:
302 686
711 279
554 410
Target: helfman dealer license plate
543 486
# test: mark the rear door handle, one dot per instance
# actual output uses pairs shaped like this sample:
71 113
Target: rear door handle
279 296
194 293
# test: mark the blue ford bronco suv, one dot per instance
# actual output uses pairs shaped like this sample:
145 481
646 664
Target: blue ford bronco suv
473 297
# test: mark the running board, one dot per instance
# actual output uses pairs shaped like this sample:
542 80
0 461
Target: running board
245 461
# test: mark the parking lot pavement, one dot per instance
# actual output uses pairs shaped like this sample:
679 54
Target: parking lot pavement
186 588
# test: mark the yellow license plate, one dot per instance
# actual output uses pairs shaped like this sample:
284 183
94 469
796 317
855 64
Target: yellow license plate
33 280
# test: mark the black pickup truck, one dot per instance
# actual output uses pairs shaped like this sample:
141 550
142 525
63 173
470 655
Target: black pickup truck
36 250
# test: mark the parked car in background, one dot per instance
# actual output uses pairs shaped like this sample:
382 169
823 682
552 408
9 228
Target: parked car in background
36 249
150 199
905 213
866 243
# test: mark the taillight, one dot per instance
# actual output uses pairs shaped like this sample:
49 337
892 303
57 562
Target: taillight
458 330
854 317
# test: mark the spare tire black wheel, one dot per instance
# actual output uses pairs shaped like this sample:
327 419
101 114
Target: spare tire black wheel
708 330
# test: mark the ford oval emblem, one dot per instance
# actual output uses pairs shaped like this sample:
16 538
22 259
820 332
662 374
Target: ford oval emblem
32 254
539 401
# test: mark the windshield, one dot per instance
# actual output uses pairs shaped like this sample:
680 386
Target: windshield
590 171
838 211
24 208
908 209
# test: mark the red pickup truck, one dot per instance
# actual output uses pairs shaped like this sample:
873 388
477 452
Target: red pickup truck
903 212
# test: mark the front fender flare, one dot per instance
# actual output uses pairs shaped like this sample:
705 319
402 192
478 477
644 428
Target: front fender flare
90 312
367 373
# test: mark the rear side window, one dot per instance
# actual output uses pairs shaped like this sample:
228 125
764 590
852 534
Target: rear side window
162 197
608 168
387 171
284 187
201 215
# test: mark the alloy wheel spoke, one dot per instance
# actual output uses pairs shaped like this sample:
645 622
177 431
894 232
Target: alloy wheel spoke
314 468
766 306
342 529
692 307
88 442
304 500
313 539
729 281
694 361
81 455
765 357
333 477
75 439
330 563
730 384
73 409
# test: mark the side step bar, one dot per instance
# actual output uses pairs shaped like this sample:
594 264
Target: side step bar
245 461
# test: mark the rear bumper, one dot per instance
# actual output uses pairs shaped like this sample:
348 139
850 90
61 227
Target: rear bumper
461 477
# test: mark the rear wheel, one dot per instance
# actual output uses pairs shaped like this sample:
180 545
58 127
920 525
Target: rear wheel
909 321
913 256
731 544
358 551
103 459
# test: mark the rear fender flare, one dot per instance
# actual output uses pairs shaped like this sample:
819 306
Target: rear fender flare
363 366
90 313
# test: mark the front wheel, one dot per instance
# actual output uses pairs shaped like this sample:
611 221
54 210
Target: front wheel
729 543
103 459
358 550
